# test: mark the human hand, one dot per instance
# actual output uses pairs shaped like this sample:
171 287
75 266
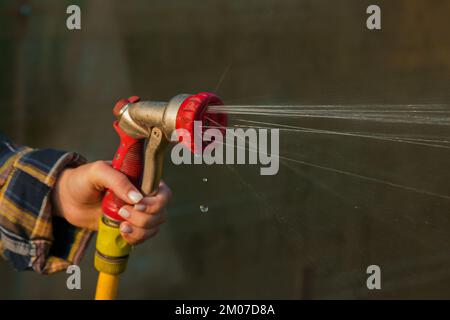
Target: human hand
78 195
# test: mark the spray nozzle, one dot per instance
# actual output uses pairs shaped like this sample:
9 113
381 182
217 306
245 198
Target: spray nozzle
138 118
155 122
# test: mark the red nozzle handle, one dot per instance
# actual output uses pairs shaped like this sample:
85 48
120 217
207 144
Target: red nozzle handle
129 159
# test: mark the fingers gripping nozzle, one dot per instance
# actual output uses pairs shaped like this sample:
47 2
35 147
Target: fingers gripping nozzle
154 122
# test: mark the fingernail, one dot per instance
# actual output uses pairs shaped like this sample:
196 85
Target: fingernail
124 213
140 207
124 228
135 196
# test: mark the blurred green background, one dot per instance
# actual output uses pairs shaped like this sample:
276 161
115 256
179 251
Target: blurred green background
305 233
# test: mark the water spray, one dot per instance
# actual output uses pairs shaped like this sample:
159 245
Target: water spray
139 122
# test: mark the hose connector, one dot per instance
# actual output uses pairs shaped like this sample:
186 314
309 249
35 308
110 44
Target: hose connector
112 250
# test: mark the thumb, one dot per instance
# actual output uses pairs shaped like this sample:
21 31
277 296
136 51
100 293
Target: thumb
103 176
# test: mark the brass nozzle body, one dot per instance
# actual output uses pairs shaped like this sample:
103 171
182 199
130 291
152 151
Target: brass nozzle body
138 119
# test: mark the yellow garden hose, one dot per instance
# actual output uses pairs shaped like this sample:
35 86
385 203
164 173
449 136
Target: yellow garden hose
111 258
107 286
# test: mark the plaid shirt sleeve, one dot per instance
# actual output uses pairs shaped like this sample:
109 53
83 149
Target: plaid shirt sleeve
30 237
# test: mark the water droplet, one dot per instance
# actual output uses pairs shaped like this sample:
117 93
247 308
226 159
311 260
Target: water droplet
204 208
205 179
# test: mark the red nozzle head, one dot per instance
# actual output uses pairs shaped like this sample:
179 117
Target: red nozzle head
194 108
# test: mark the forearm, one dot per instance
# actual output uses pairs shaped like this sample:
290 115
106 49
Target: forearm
31 237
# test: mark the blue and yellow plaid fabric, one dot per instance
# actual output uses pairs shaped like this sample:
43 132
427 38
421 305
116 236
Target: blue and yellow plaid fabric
30 237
